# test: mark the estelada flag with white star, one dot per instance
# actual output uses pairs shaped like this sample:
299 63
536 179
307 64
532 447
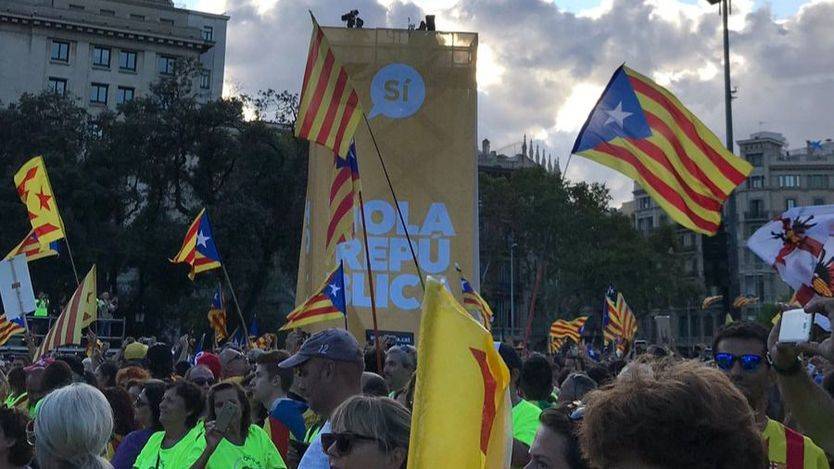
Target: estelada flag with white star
462 412
198 249
326 304
35 192
643 131
79 313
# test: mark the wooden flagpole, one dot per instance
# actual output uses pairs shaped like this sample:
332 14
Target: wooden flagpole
370 283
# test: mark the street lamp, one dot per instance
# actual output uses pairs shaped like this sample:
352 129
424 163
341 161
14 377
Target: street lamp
512 283
730 223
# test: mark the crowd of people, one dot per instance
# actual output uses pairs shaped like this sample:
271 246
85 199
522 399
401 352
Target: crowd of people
323 402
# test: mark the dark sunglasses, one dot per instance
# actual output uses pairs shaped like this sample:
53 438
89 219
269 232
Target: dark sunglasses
749 362
203 381
343 441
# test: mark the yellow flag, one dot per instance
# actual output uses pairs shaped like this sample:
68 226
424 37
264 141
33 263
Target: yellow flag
461 414
35 192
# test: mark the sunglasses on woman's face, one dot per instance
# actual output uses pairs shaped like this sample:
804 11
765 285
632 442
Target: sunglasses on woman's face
343 441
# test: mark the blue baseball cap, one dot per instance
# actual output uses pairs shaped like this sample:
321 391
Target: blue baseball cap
331 344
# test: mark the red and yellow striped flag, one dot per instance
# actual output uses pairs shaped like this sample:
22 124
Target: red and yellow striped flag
79 313
33 248
344 190
643 131
35 192
329 111
10 328
561 329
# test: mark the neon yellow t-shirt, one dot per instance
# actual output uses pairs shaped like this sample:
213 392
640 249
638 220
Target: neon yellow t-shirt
525 421
182 455
811 455
257 452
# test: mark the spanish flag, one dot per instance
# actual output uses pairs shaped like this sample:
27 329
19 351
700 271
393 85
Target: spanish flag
461 414
35 192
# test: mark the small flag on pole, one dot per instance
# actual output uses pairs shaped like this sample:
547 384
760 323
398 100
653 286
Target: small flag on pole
9 328
217 316
35 192
198 248
329 111
473 303
33 249
326 304
643 131
79 313
344 189
711 300
561 328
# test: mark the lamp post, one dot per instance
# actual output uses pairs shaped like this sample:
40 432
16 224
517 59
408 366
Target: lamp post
730 223
512 283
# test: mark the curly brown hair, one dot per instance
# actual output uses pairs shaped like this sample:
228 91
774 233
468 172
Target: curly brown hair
683 415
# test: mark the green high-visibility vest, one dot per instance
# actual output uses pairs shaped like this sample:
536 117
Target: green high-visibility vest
41 308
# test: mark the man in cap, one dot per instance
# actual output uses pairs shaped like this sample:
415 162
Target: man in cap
329 368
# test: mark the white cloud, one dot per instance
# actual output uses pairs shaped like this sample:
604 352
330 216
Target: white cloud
573 113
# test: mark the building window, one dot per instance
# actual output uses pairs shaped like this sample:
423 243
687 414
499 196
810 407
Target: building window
790 203
788 180
755 159
101 56
73 6
58 86
167 21
756 208
645 203
818 181
819 201
205 79
687 240
136 17
107 12
127 60
124 94
98 93
60 51
166 64
644 224
755 182
208 33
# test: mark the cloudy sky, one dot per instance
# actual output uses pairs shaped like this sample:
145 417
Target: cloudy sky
543 63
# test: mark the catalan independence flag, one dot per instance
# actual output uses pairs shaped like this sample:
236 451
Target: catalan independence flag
35 192
643 131
472 301
33 249
344 188
10 328
611 316
217 316
198 249
329 111
79 313
326 304
572 330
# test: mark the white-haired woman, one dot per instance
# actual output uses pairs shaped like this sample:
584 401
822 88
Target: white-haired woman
72 429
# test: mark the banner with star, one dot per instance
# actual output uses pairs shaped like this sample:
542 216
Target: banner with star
198 248
35 192
643 131
328 303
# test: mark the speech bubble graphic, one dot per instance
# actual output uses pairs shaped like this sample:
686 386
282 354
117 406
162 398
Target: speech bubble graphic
397 91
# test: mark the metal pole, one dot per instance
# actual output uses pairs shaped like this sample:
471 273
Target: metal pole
512 286
732 216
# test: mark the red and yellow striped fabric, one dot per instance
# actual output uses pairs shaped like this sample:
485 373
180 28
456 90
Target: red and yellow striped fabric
344 189
561 328
79 313
8 329
329 111
613 327
217 320
32 247
643 131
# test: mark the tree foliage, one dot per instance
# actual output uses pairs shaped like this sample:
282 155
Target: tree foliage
581 243
128 183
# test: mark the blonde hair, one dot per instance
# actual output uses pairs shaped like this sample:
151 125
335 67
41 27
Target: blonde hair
381 418
73 427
